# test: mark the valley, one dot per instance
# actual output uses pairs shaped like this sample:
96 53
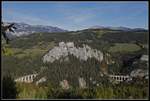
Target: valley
77 61
94 50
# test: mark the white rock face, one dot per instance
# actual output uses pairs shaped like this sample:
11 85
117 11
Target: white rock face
139 73
64 49
64 84
144 58
43 79
82 83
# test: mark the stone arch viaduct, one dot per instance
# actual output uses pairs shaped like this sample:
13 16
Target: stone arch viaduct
27 78
120 78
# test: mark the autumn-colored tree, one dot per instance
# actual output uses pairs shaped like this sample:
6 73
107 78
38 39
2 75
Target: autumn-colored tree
104 66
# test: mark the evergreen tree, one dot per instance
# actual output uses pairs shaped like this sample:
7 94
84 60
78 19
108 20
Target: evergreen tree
9 88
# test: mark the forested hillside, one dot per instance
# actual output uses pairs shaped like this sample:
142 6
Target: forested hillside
25 56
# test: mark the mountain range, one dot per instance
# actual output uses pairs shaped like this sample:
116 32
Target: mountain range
117 28
24 29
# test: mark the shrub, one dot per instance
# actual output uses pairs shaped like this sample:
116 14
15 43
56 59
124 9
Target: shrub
9 88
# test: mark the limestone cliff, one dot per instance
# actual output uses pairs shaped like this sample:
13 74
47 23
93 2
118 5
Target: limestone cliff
64 49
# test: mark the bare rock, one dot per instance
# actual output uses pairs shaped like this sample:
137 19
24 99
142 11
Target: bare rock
64 49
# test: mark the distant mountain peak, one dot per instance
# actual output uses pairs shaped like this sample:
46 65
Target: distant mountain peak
97 26
27 29
116 28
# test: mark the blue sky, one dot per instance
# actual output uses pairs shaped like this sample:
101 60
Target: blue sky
77 15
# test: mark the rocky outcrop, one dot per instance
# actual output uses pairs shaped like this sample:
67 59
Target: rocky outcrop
139 73
144 58
82 83
64 49
64 84
43 79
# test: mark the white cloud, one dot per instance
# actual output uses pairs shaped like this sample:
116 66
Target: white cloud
76 15
26 18
80 18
